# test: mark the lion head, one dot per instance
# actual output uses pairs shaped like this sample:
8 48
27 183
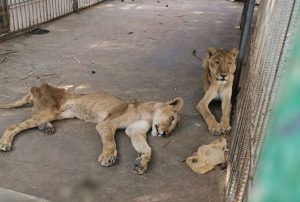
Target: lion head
166 117
222 63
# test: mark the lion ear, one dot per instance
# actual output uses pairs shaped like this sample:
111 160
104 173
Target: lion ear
234 52
35 91
177 103
212 51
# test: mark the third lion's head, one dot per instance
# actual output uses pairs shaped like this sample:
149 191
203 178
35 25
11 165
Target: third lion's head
222 63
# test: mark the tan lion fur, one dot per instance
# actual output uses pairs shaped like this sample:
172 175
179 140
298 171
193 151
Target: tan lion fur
218 74
108 112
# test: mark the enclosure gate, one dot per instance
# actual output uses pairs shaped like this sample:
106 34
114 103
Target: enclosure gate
20 15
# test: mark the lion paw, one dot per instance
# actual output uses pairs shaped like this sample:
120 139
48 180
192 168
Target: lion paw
215 129
137 167
4 146
47 128
106 159
225 128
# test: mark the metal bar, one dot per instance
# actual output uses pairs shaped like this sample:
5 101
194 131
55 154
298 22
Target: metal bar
75 6
2 11
40 10
54 9
22 24
17 17
44 13
60 3
12 16
25 13
47 13
64 7
51 9
32 12
243 18
36 11
243 44
58 8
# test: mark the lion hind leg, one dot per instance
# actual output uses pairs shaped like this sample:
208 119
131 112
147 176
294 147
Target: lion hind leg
137 133
34 121
18 103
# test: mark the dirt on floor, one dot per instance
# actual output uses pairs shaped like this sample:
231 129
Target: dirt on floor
138 49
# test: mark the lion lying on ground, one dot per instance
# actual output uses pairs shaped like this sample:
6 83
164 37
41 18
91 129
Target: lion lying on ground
109 112
218 73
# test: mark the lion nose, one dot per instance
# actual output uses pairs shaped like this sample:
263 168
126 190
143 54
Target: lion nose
164 135
223 75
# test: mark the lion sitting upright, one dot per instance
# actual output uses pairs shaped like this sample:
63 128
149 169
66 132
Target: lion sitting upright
218 73
108 112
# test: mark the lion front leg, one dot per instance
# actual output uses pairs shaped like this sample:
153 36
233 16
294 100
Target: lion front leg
33 121
137 133
202 107
226 110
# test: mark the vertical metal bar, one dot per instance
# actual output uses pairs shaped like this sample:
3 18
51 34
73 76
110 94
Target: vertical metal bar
243 44
40 10
75 6
36 11
47 11
55 8
58 8
71 6
27 8
51 10
44 13
2 11
19 4
25 14
68 5
243 18
12 16
61 7
16 15
32 12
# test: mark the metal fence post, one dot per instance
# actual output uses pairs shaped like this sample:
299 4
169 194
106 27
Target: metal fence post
246 26
4 17
75 6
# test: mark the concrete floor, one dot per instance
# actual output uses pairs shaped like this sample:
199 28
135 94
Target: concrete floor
152 63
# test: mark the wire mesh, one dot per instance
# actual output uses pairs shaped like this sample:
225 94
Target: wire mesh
258 81
19 15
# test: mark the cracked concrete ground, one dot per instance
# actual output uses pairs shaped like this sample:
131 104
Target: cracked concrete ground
141 50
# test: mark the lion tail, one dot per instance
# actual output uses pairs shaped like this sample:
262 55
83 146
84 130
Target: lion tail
19 103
